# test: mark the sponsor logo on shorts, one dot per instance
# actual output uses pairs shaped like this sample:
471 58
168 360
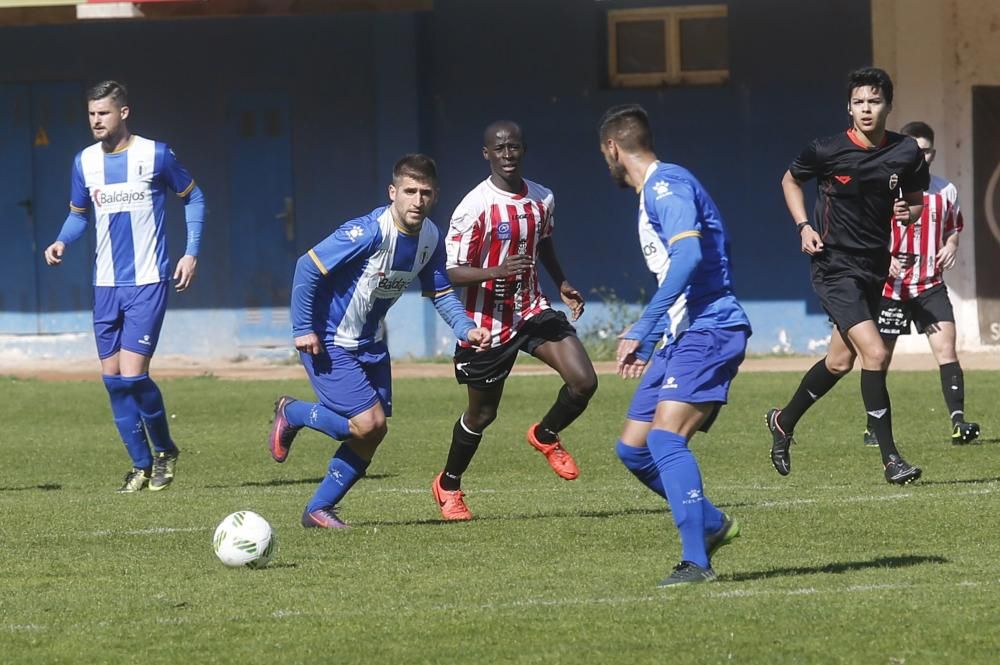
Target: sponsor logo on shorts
145 340
670 383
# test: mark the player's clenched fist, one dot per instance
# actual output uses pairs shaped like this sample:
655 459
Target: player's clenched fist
480 338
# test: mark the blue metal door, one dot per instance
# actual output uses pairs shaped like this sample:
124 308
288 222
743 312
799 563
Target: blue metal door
262 209
18 293
59 129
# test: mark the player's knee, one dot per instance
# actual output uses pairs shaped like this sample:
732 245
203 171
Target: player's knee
369 426
583 387
479 419
840 363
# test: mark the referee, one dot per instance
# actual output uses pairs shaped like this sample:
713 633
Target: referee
866 177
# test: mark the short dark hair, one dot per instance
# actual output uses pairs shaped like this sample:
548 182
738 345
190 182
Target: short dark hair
870 76
113 89
628 126
417 166
918 130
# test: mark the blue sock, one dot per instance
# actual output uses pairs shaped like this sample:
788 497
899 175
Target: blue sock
154 414
712 515
129 422
682 481
345 469
318 417
640 462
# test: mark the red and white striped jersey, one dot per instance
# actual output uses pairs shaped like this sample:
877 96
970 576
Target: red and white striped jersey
922 241
488 226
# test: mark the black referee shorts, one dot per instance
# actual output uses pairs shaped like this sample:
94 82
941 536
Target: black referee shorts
930 307
849 285
487 370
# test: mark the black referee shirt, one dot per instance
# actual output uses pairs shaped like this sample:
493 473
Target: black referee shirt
858 185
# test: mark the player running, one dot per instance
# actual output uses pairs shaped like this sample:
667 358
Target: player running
704 329
341 291
915 290
496 233
866 177
125 179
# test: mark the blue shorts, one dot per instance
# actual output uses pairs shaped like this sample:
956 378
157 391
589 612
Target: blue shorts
696 369
351 382
129 317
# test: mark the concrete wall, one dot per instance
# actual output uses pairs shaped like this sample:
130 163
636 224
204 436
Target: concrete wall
936 52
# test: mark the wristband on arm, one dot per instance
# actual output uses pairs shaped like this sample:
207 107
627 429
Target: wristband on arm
800 225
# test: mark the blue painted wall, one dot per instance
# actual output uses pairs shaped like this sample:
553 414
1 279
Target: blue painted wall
364 88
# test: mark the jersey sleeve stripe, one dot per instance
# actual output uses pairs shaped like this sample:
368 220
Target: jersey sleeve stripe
684 234
187 190
319 264
437 294
73 208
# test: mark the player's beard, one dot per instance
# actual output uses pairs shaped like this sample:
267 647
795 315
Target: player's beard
618 174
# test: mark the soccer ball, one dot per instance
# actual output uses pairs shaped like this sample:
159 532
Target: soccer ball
244 539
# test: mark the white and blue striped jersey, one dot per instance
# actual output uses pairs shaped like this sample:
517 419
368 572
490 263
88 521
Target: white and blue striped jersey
127 190
367 263
673 205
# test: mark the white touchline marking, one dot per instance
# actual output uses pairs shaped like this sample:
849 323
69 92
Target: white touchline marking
147 532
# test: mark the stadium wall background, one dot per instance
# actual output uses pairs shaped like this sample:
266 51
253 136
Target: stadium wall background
291 125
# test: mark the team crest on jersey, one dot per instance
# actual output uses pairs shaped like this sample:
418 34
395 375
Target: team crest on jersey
503 231
662 189
893 181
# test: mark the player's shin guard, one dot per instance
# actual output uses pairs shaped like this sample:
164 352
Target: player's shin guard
682 481
640 462
345 469
128 421
567 408
318 417
150 401
818 381
875 396
953 387
464 444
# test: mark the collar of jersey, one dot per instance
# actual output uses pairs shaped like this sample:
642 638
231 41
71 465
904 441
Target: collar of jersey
853 136
402 229
131 140
649 174
519 195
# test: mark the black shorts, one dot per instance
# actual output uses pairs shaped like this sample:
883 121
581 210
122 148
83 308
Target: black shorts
930 307
487 370
849 285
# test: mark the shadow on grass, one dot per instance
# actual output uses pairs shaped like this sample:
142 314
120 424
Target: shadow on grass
279 482
836 568
45 487
600 514
962 481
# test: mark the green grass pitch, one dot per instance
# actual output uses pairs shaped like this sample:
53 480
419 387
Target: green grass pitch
834 565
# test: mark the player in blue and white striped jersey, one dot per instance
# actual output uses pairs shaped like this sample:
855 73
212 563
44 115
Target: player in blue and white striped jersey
704 330
124 179
341 291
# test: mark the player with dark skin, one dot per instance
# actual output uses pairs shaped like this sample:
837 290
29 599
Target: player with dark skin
504 148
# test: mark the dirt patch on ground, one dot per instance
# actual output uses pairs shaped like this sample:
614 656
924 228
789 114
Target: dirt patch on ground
184 366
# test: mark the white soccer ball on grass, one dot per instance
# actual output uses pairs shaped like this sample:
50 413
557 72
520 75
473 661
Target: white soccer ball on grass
244 539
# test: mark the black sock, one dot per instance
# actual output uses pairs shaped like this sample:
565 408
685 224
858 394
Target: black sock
817 382
567 408
464 444
875 396
953 387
